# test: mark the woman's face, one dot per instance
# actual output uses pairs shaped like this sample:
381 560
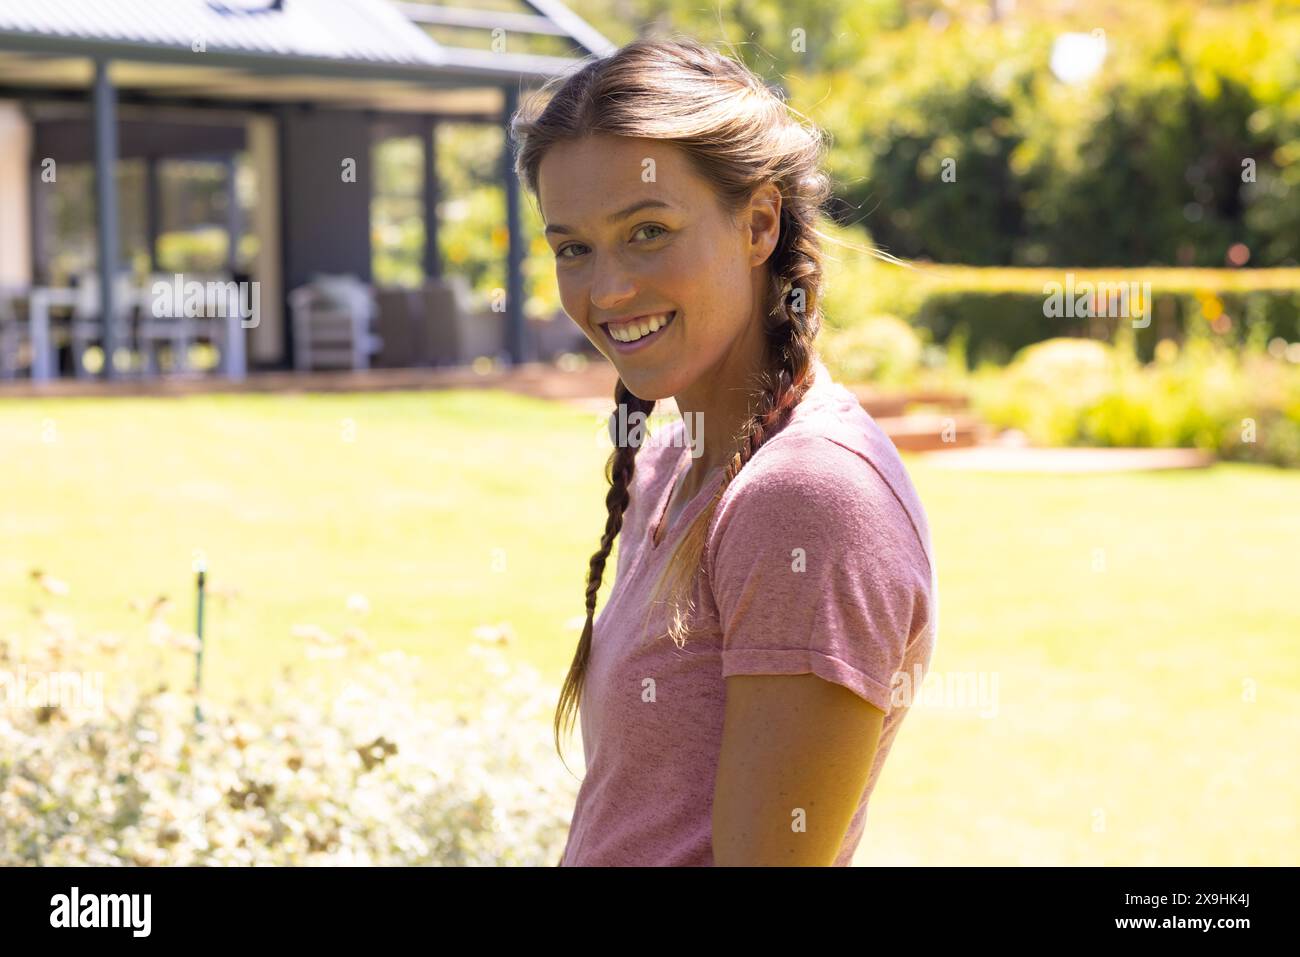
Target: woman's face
637 233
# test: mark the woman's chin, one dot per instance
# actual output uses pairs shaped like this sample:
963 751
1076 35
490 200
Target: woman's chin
646 384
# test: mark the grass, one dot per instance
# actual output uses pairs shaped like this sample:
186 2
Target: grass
441 509
1141 627
1129 620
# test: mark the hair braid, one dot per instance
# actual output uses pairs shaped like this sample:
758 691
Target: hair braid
619 470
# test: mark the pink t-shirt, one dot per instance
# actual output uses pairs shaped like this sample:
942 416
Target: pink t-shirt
864 607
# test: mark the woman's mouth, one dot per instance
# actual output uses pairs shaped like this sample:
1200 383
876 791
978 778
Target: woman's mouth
639 334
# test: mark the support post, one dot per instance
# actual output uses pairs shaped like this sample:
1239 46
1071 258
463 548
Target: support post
105 107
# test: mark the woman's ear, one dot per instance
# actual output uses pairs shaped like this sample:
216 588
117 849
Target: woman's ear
764 219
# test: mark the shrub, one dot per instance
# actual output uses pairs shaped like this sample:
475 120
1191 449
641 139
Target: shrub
373 777
880 349
1240 404
1183 145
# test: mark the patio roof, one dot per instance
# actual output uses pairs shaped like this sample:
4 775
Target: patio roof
357 31
314 50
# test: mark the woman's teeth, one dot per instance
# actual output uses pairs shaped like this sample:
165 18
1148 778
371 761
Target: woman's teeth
632 331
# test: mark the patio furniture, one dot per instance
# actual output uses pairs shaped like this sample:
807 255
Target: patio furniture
40 302
332 318
457 333
164 319
176 332
398 325
138 328
87 327
460 330
15 331
436 325
549 338
152 330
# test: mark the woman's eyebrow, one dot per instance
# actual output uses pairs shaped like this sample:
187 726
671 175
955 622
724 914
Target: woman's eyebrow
615 217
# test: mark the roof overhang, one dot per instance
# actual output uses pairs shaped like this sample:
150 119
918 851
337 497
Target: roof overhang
398 68
465 87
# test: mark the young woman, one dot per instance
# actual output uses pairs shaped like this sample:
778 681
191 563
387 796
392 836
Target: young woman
737 692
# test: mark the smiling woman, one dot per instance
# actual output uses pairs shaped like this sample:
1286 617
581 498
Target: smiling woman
736 692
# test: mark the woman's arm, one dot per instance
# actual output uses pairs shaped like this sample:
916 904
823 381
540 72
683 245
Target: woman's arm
796 754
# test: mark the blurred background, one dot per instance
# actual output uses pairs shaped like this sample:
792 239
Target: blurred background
301 463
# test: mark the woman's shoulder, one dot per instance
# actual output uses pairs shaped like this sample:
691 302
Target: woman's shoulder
833 463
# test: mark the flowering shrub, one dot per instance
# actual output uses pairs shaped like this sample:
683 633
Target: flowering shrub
373 776
1242 404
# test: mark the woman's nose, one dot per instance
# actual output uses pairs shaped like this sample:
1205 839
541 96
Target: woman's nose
612 284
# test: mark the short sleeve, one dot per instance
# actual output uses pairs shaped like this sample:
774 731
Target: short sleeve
816 567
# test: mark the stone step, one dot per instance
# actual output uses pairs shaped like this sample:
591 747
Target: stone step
892 404
880 406
946 400
927 432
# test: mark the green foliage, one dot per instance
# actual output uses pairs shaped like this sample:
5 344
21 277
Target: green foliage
202 250
998 311
397 213
994 325
774 38
1145 164
880 349
472 236
1239 404
967 136
1158 176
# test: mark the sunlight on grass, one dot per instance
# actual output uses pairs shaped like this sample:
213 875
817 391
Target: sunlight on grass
1140 627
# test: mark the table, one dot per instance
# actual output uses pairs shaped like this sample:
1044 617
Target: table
233 356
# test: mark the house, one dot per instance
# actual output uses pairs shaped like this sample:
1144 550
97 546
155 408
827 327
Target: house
300 89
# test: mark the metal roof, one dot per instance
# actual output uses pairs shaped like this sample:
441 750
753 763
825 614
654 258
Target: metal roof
365 30
297 34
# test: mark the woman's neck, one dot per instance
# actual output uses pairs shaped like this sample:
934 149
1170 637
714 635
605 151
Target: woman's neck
716 407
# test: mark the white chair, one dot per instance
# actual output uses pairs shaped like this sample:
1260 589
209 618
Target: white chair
332 318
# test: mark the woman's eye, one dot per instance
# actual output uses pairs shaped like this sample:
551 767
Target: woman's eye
560 253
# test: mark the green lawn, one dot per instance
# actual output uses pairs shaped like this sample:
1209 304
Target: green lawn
1128 620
